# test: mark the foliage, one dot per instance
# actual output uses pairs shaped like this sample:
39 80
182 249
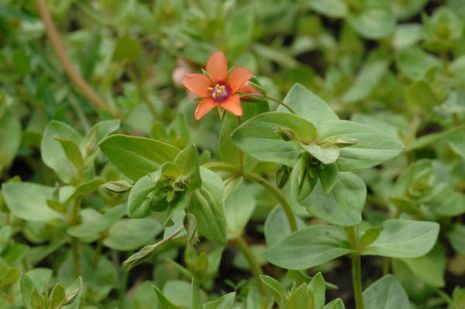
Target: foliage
345 149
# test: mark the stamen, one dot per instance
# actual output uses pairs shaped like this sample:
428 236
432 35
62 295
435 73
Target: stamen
219 92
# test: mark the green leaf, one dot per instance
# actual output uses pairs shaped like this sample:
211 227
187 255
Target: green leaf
139 199
163 301
269 136
420 96
94 224
373 22
10 138
188 163
97 133
328 176
277 226
86 188
239 28
130 234
318 288
224 302
386 293
26 286
434 262
335 304
127 49
53 153
366 81
302 179
331 8
429 139
309 247
343 205
300 298
238 208
278 291
72 151
368 146
28 201
416 64
137 156
456 236
57 297
308 106
207 207
404 239
325 153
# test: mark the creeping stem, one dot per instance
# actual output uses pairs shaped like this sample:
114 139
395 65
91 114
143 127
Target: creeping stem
67 64
250 257
271 99
264 183
356 267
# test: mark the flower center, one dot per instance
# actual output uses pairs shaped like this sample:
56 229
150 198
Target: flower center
219 92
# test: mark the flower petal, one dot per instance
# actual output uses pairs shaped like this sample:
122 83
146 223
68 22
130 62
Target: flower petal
197 84
217 67
238 77
233 105
204 107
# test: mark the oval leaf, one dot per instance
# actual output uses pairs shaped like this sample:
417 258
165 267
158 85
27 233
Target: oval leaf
404 239
137 156
312 246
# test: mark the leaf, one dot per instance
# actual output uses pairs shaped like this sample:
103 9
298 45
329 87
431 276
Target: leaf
207 207
137 156
335 304
86 188
373 22
328 175
187 161
309 247
97 133
72 151
308 106
278 291
127 49
239 27
366 81
238 208
94 224
369 146
130 234
10 138
404 239
28 201
57 297
302 179
317 287
416 64
434 262
386 293
300 298
325 153
456 236
224 302
331 8
53 153
277 226
427 140
139 199
268 136
163 301
343 205
420 96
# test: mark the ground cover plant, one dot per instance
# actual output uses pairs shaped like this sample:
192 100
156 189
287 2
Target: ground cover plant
232 154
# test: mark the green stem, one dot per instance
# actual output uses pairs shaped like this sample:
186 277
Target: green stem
74 240
386 262
265 184
356 267
122 287
254 267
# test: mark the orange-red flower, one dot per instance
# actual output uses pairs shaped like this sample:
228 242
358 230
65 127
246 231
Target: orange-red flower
217 88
